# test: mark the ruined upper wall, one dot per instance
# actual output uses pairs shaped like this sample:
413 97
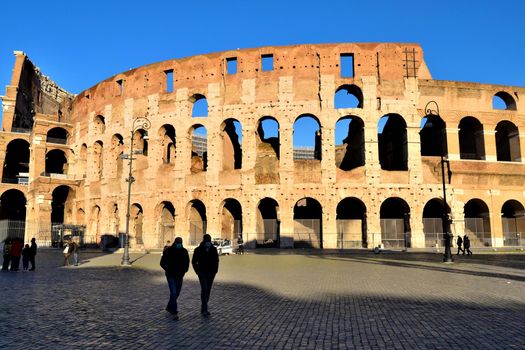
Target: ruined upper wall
305 63
32 92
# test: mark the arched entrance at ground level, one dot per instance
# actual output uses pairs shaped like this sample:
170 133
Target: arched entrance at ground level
268 224
395 223
166 224
351 224
433 223
477 223
307 216
16 163
231 220
513 222
61 211
197 218
12 214
137 216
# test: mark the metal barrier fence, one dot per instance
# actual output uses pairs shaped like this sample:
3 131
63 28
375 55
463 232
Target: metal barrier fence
197 230
166 233
307 233
393 234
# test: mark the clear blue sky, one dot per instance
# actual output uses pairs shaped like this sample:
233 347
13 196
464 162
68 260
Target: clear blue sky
79 43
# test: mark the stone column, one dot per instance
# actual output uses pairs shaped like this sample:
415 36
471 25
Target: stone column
490 145
522 146
287 222
452 136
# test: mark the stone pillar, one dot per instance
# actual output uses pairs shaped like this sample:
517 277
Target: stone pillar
373 223
287 223
522 146
328 168
490 145
452 136
417 234
414 153
286 152
372 166
496 224
329 225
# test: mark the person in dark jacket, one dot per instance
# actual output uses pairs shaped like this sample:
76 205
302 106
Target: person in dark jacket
26 252
15 253
32 254
175 261
205 262
466 245
459 243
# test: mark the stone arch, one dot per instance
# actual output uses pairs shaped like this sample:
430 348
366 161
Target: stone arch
16 162
351 223
508 142
166 217
83 159
13 205
477 222
307 215
199 106
95 223
433 223
348 96
168 144
56 162
471 139
268 223
433 136
268 142
116 152
99 125
231 134
137 218
114 220
231 219
98 159
349 143
395 223
62 204
503 100
57 135
81 216
513 223
199 148
392 142
196 214
307 137
140 141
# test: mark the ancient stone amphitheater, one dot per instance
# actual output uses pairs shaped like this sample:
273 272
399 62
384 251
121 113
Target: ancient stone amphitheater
216 149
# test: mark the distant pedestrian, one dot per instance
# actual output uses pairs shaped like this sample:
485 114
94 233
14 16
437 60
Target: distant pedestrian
26 252
6 251
67 253
175 261
16 252
459 243
75 250
466 245
240 243
32 256
205 262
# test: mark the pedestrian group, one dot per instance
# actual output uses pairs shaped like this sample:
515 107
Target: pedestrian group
465 242
12 249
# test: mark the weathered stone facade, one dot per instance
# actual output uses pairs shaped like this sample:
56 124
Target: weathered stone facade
387 187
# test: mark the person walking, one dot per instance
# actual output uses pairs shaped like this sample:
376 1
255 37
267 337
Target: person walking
26 252
240 243
205 262
466 245
15 253
67 253
32 251
175 261
75 250
459 243
5 251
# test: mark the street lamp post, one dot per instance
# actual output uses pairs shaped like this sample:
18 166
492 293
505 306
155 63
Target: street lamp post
447 255
139 123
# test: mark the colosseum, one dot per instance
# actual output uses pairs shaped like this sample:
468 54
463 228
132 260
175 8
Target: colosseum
214 143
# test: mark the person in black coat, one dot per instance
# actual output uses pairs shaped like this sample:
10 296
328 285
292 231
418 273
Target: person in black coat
459 243
32 254
205 262
175 261
466 245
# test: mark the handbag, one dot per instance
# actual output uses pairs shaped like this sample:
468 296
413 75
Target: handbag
66 249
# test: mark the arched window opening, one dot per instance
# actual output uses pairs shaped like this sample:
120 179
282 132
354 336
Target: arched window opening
116 152
231 144
433 136
231 220
508 142
200 106
115 220
503 101
94 225
56 162
140 141
477 223
99 125
433 223
197 219
307 138
137 217
307 216
13 208
392 141
471 140
61 206
83 159
349 143
81 217
167 135
199 149
351 224
268 142
268 224
16 163
513 222
395 223
348 96
167 224
57 135
98 160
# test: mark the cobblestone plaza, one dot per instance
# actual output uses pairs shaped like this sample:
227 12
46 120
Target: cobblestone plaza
270 300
